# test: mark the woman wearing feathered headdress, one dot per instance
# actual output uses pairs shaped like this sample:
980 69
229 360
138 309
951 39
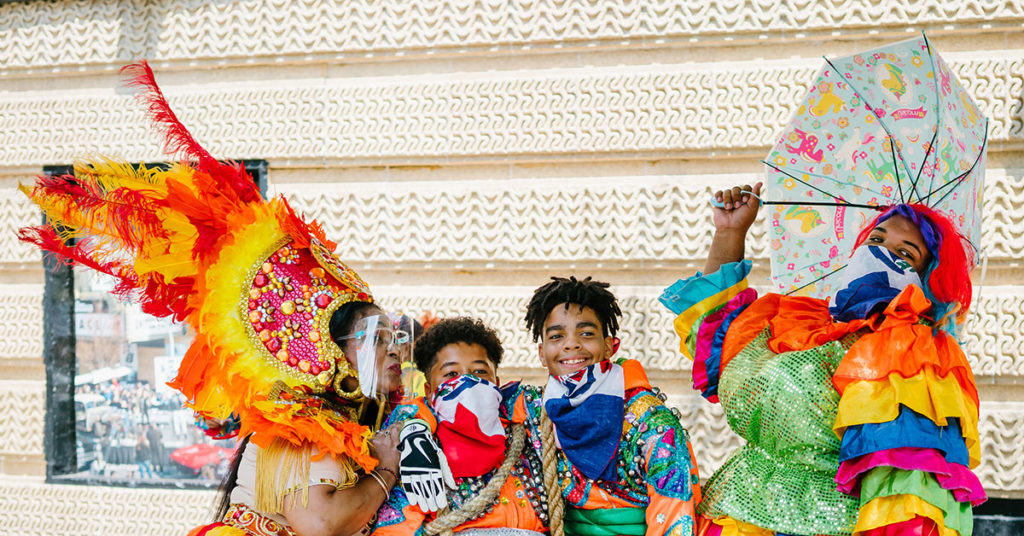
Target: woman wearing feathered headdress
288 341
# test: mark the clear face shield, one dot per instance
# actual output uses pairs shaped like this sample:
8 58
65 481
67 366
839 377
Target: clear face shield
378 350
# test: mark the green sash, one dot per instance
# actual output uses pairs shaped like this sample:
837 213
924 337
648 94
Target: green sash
605 522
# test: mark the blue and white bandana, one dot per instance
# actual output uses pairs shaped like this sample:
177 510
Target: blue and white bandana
587 409
872 278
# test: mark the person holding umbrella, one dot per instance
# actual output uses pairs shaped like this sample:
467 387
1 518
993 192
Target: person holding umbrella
875 369
858 407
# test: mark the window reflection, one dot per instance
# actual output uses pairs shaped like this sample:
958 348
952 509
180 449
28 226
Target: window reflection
129 425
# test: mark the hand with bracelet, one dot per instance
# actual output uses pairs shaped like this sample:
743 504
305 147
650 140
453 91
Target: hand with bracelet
384 447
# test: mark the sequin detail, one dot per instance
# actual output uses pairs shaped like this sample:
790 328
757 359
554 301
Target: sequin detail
784 406
253 523
287 308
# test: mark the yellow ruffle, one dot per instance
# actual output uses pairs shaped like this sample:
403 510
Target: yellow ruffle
733 527
896 509
939 399
687 320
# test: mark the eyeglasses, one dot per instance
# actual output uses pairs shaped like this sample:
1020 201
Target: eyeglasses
385 337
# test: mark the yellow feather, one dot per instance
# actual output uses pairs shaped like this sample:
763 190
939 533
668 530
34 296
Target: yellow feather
221 313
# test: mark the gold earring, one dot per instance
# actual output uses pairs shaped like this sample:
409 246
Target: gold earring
343 371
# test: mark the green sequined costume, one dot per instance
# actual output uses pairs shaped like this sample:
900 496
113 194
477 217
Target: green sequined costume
783 405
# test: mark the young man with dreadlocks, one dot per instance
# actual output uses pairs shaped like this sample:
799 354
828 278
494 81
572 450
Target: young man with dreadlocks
625 462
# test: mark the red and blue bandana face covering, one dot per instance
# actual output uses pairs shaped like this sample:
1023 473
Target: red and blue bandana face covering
587 410
468 426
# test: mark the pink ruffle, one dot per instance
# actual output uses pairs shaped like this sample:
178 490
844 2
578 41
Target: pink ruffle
951 476
706 336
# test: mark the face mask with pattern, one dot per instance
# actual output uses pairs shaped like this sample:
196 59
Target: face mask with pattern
872 278
468 425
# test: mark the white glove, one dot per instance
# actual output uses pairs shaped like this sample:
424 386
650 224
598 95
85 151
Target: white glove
423 467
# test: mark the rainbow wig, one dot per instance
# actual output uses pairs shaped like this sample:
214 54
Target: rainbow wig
947 277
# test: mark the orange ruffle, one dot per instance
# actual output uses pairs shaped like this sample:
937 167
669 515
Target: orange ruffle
899 344
804 323
634 374
796 322
300 424
748 325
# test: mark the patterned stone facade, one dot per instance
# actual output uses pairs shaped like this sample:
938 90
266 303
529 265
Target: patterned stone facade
491 144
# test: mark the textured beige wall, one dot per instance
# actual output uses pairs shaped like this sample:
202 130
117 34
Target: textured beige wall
494 143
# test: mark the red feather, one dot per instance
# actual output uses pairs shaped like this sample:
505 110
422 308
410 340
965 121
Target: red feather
130 214
46 238
301 231
178 140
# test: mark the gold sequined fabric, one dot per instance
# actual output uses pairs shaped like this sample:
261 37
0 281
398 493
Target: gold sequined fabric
254 523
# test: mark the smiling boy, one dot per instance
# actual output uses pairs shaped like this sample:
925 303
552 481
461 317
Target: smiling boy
625 462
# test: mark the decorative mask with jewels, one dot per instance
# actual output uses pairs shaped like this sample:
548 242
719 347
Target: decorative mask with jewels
291 298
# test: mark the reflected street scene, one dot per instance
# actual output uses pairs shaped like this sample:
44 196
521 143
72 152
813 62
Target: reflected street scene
129 425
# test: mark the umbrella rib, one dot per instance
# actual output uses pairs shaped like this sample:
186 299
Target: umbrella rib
844 202
938 120
963 176
913 185
892 151
872 110
815 281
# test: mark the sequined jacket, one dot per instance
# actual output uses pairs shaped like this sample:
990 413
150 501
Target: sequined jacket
656 466
521 504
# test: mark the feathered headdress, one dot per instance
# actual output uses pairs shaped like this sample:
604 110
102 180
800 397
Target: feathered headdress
195 241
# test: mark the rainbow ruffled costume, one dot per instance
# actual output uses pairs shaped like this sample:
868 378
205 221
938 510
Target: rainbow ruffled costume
861 427
195 241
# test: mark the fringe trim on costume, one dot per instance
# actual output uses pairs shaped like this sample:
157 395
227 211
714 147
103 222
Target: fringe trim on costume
283 469
277 466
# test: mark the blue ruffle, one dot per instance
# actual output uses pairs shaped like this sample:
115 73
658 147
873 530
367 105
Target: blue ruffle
714 361
684 293
909 429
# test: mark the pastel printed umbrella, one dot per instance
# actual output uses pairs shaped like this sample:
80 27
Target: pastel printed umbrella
887 126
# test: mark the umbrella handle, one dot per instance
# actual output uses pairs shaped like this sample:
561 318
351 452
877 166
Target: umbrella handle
719 204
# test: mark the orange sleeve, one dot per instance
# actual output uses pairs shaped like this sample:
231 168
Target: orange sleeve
673 513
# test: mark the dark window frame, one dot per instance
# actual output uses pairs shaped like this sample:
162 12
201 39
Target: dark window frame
60 434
